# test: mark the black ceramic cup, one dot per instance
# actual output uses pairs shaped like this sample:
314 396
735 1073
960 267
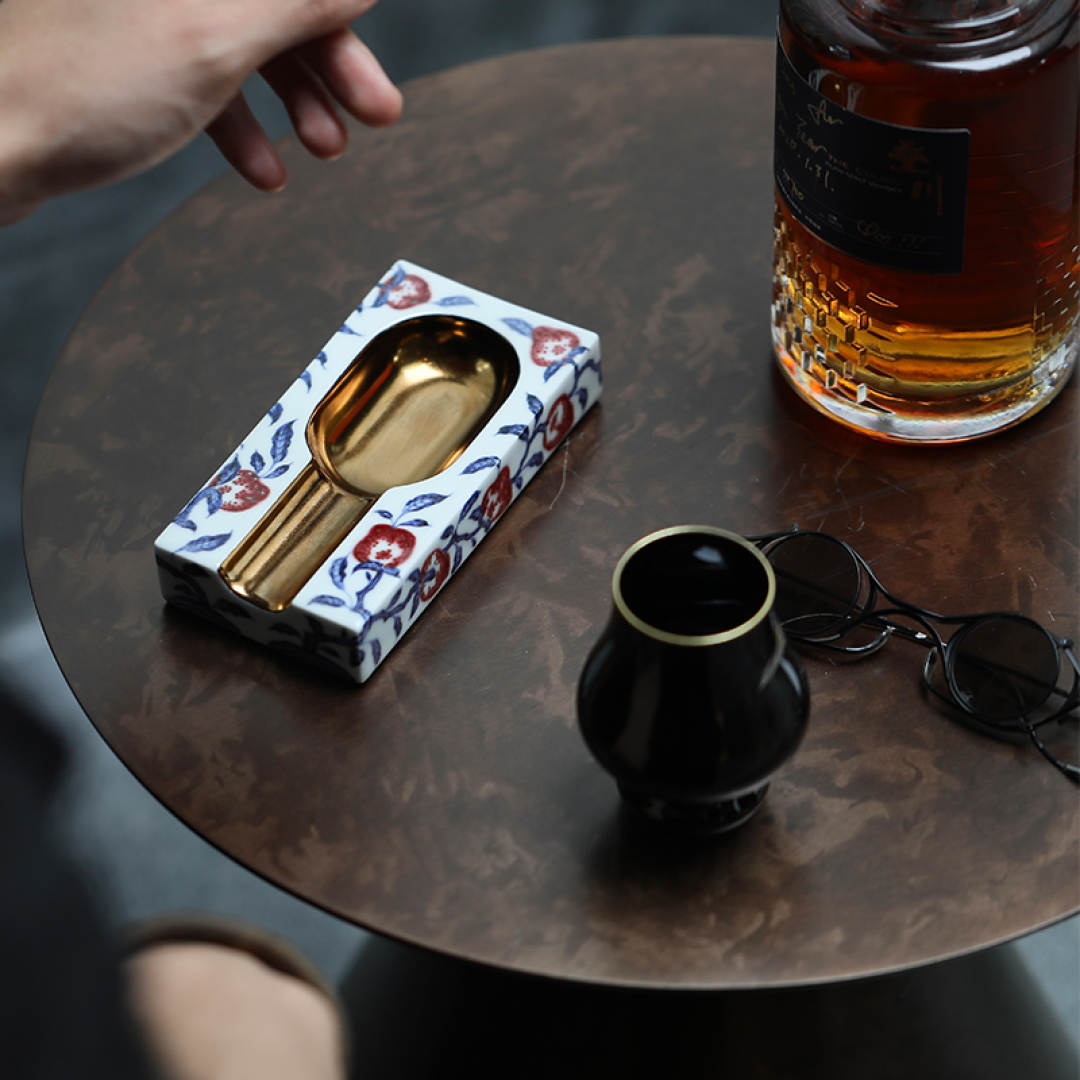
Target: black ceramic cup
691 699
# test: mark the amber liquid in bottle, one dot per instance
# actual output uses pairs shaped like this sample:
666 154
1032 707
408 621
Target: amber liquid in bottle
958 351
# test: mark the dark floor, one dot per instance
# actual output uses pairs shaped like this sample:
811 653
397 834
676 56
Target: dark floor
50 267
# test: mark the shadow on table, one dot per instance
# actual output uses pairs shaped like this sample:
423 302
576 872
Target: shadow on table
421 1015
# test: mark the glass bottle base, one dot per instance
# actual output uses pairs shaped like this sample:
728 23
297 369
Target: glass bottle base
897 420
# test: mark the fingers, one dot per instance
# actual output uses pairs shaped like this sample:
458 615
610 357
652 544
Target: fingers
354 76
309 79
246 147
308 104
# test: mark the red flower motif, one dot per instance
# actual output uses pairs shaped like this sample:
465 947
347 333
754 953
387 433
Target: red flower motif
408 292
497 497
243 491
438 564
560 420
550 345
386 545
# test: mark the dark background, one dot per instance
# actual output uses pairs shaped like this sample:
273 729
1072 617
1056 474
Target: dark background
52 264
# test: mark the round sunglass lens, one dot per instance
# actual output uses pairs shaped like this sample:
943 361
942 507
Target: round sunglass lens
818 583
1003 667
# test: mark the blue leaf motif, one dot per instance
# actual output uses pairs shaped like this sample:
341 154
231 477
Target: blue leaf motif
275 412
446 533
345 328
206 543
469 504
480 463
214 499
535 461
205 495
282 439
337 572
279 471
257 462
305 378
455 301
536 406
397 277
414 523
329 601
520 430
228 472
549 372
386 514
381 298
322 357
376 651
378 567
520 325
420 501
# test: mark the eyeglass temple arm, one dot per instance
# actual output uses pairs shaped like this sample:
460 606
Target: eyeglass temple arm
1067 769
1072 697
765 538
1070 771
921 637
877 621
1066 646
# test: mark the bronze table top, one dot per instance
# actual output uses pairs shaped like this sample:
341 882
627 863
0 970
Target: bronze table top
450 801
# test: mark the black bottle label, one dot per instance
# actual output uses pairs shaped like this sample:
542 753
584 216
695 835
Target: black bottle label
890 195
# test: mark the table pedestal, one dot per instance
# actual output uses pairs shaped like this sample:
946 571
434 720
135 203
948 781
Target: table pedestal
421 1015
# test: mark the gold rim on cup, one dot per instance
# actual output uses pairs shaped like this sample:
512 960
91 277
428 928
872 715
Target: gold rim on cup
667 636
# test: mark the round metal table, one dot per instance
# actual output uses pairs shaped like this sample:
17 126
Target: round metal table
450 802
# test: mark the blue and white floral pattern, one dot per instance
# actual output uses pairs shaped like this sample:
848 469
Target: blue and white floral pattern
237 487
414 538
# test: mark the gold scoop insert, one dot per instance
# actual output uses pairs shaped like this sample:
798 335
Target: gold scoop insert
406 408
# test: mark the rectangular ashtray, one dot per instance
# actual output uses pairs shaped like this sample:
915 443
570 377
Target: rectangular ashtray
329 530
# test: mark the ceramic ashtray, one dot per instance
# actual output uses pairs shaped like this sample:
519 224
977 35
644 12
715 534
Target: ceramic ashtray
335 523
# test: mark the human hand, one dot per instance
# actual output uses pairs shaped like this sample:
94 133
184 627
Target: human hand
93 92
211 1011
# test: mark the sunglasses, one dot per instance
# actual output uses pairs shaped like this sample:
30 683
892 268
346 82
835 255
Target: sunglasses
999 671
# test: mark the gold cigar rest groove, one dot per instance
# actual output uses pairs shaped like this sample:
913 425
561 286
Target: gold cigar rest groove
404 410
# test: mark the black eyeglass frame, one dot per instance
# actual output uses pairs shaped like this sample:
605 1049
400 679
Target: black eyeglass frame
863 612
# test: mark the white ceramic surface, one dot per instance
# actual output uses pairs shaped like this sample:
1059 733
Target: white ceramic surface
391 566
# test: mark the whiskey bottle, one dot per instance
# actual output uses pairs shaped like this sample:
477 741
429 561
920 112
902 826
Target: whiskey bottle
927 222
